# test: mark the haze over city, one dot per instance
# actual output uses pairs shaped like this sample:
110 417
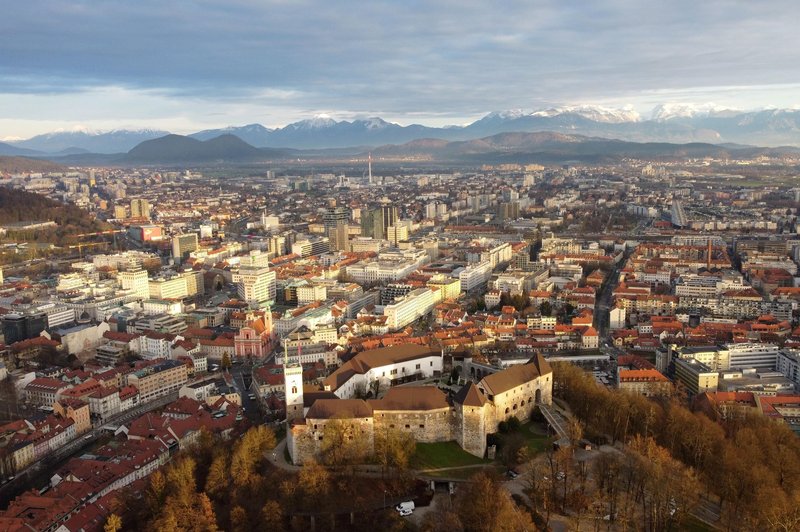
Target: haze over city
68 65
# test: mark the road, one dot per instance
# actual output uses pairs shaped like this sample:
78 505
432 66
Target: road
242 377
603 302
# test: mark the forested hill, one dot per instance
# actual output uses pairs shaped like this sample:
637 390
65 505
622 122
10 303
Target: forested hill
22 206
21 165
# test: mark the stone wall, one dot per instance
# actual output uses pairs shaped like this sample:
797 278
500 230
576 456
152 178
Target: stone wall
470 422
426 426
306 441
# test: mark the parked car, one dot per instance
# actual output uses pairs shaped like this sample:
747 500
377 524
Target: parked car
405 506
512 474
406 513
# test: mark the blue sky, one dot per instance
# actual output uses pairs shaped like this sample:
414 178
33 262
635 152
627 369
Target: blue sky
189 65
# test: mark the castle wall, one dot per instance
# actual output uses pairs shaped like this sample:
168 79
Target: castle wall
519 402
306 441
426 426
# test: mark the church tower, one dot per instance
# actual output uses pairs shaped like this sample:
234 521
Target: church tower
293 382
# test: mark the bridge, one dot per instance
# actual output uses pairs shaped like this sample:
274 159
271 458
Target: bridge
556 420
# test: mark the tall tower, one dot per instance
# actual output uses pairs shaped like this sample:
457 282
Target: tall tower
293 384
369 166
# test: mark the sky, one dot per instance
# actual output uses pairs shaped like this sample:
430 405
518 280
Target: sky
185 65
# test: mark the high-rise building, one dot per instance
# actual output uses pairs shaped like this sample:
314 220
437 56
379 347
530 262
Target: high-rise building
256 285
182 245
389 216
398 232
336 221
120 212
140 208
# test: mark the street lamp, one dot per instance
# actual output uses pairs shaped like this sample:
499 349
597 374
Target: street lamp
384 498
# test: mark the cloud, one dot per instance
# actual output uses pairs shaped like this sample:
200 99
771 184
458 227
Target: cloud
446 60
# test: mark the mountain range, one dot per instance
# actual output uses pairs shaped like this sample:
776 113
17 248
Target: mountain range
676 123
536 147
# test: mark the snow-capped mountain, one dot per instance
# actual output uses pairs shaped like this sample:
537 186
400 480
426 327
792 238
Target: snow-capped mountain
318 122
80 139
596 113
672 122
671 111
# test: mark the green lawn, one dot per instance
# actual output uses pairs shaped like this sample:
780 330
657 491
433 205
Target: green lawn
537 442
444 454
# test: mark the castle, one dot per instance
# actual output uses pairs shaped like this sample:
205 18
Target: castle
426 412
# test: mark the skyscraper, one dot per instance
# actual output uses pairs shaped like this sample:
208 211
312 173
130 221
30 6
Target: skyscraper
336 221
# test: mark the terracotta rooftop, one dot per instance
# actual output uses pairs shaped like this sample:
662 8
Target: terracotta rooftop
411 398
344 408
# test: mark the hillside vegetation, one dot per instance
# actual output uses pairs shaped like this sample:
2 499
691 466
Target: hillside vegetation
22 165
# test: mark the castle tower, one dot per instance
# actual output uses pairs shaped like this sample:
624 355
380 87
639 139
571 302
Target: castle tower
293 382
470 420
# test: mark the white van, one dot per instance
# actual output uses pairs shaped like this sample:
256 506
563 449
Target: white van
407 506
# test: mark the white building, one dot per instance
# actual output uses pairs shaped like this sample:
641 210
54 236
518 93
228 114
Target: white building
383 368
405 310
255 284
475 275
745 356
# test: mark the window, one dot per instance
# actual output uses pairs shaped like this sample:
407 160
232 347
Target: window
294 389
408 426
431 364
391 426
393 372
422 426
320 437
418 366
315 426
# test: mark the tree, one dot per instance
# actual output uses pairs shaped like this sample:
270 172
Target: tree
239 520
225 363
314 481
113 523
546 308
394 448
484 505
217 479
441 519
343 442
272 516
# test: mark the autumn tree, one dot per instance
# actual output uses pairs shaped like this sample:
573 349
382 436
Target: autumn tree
113 523
484 505
272 516
394 449
343 442
314 481
442 518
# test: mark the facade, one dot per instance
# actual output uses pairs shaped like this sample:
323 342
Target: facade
159 380
425 411
647 382
136 281
382 368
411 307
182 245
255 284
